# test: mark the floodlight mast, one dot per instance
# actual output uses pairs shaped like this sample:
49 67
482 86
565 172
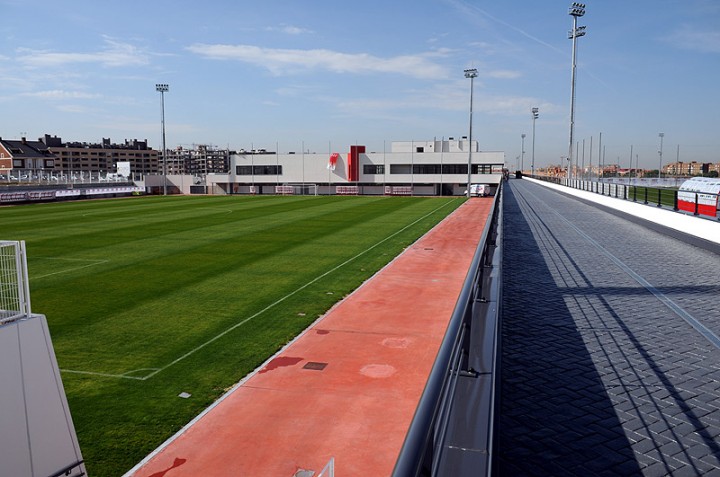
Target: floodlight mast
522 152
472 74
535 115
661 136
162 89
576 10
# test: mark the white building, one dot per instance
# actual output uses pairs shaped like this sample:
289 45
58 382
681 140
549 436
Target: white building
408 168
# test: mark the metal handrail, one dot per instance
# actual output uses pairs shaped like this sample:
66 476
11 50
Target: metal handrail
622 191
421 451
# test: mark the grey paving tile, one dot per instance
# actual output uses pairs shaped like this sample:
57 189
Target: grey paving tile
592 361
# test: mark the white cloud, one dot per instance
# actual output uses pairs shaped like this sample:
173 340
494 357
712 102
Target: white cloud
74 108
446 97
501 74
114 54
280 60
689 38
290 30
480 17
60 94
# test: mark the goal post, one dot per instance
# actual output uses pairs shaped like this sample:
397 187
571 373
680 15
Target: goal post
297 189
14 288
37 435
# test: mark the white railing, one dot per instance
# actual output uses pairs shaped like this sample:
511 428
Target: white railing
14 288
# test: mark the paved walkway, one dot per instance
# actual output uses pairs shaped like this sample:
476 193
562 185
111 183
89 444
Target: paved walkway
349 386
611 359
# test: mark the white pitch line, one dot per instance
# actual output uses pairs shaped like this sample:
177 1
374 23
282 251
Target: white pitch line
106 375
277 302
239 324
67 270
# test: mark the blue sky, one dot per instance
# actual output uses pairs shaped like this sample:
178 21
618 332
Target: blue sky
328 74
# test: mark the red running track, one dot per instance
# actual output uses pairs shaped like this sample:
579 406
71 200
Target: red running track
377 346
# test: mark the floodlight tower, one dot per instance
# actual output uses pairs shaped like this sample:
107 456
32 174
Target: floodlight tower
576 10
522 152
162 89
661 136
472 74
535 115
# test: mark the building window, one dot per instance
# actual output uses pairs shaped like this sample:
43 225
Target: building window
258 170
399 168
438 169
455 168
426 169
374 169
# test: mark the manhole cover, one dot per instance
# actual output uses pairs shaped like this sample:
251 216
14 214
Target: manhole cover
315 366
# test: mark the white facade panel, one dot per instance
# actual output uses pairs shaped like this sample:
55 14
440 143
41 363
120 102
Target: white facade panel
449 145
296 168
411 163
394 163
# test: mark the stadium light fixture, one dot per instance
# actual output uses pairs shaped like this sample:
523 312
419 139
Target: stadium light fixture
576 10
472 74
661 136
162 89
535 114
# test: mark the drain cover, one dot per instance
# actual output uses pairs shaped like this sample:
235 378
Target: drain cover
315 366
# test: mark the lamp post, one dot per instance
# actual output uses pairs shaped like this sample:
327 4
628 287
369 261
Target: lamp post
522 152
472 74
661 136
163 88
535 115
576 10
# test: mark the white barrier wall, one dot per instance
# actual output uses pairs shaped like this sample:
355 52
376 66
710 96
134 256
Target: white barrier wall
37 436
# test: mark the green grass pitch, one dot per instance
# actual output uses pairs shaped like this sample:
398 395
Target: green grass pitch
150 297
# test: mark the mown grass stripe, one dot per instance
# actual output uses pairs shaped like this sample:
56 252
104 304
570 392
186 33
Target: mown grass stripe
177 272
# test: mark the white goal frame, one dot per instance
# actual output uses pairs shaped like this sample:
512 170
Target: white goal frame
299 189
14 287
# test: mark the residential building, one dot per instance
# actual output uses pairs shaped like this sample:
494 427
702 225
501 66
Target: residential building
49 156
200 160
102 158
692 168
23 158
